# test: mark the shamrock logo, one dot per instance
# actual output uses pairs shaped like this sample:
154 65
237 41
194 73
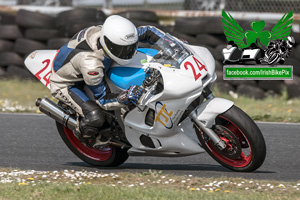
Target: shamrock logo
263 37
234 32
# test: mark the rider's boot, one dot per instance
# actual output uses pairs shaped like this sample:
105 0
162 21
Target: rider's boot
93 118
90 124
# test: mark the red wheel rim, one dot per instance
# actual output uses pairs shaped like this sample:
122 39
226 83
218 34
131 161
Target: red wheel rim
244 160
92 153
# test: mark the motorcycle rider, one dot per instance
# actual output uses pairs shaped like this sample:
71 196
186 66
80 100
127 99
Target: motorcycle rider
83 60
281 48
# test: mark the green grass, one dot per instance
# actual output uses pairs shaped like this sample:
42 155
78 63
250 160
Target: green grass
276 108
102 191
25 92
152 185
20 96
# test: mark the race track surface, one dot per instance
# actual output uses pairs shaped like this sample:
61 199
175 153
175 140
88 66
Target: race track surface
32 142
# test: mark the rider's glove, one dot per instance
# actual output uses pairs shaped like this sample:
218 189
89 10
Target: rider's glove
131 95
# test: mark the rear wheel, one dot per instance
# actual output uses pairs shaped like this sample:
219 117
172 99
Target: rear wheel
107 157
273 58
245 146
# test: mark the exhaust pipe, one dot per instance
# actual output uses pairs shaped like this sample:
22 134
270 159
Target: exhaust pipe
56 112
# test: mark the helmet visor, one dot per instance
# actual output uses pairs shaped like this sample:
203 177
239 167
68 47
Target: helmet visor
123 52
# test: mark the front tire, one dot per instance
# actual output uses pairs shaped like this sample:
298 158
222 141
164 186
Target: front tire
246 148
107 157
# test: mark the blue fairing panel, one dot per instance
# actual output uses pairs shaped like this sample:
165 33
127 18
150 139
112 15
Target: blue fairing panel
149 52
124 77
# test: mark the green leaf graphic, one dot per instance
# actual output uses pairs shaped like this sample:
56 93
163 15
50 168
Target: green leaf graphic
258 26
234 32
283 28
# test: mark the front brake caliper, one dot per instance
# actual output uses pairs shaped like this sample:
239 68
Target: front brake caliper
233 147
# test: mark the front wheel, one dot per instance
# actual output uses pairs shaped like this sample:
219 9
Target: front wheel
107 157
245 146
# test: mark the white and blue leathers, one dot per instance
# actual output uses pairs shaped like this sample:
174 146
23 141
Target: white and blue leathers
82 61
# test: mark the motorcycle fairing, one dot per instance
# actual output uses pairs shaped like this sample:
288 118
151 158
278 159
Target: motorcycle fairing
164 145
164 139
165 128
39 63
203 53
210 109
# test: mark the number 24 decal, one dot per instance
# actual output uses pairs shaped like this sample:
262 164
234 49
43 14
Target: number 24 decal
47 76
200 67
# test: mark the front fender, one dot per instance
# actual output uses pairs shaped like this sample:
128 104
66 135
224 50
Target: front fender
210 109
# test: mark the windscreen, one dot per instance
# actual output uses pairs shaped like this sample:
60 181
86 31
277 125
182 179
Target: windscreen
171 51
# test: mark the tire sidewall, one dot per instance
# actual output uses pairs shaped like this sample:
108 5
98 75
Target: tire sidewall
112 161
253 136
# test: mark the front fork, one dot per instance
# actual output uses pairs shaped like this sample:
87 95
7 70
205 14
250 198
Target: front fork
201 124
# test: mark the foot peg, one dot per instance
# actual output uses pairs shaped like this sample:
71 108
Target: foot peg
101 142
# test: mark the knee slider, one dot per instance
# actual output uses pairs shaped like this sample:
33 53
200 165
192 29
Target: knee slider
95 118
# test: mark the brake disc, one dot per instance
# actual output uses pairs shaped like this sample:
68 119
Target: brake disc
233 148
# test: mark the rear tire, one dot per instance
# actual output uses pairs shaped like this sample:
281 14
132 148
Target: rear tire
248 142
107 157
273 58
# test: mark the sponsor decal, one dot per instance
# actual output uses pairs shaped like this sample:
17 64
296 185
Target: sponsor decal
131 35
93 73
177 115
33 54
163 116
258 46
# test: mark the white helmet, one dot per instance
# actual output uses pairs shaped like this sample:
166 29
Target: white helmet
119 39
290 41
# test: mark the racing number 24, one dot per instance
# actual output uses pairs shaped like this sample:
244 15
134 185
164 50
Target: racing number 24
200 67
47 76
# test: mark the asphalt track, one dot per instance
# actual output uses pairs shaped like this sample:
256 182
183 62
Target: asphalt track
30 141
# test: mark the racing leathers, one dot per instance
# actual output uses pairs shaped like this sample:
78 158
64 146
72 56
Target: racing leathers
82 62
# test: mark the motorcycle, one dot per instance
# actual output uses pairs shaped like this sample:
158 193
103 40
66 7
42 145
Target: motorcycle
177 115
277 51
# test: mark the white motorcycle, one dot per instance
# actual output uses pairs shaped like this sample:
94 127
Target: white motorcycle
177 106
